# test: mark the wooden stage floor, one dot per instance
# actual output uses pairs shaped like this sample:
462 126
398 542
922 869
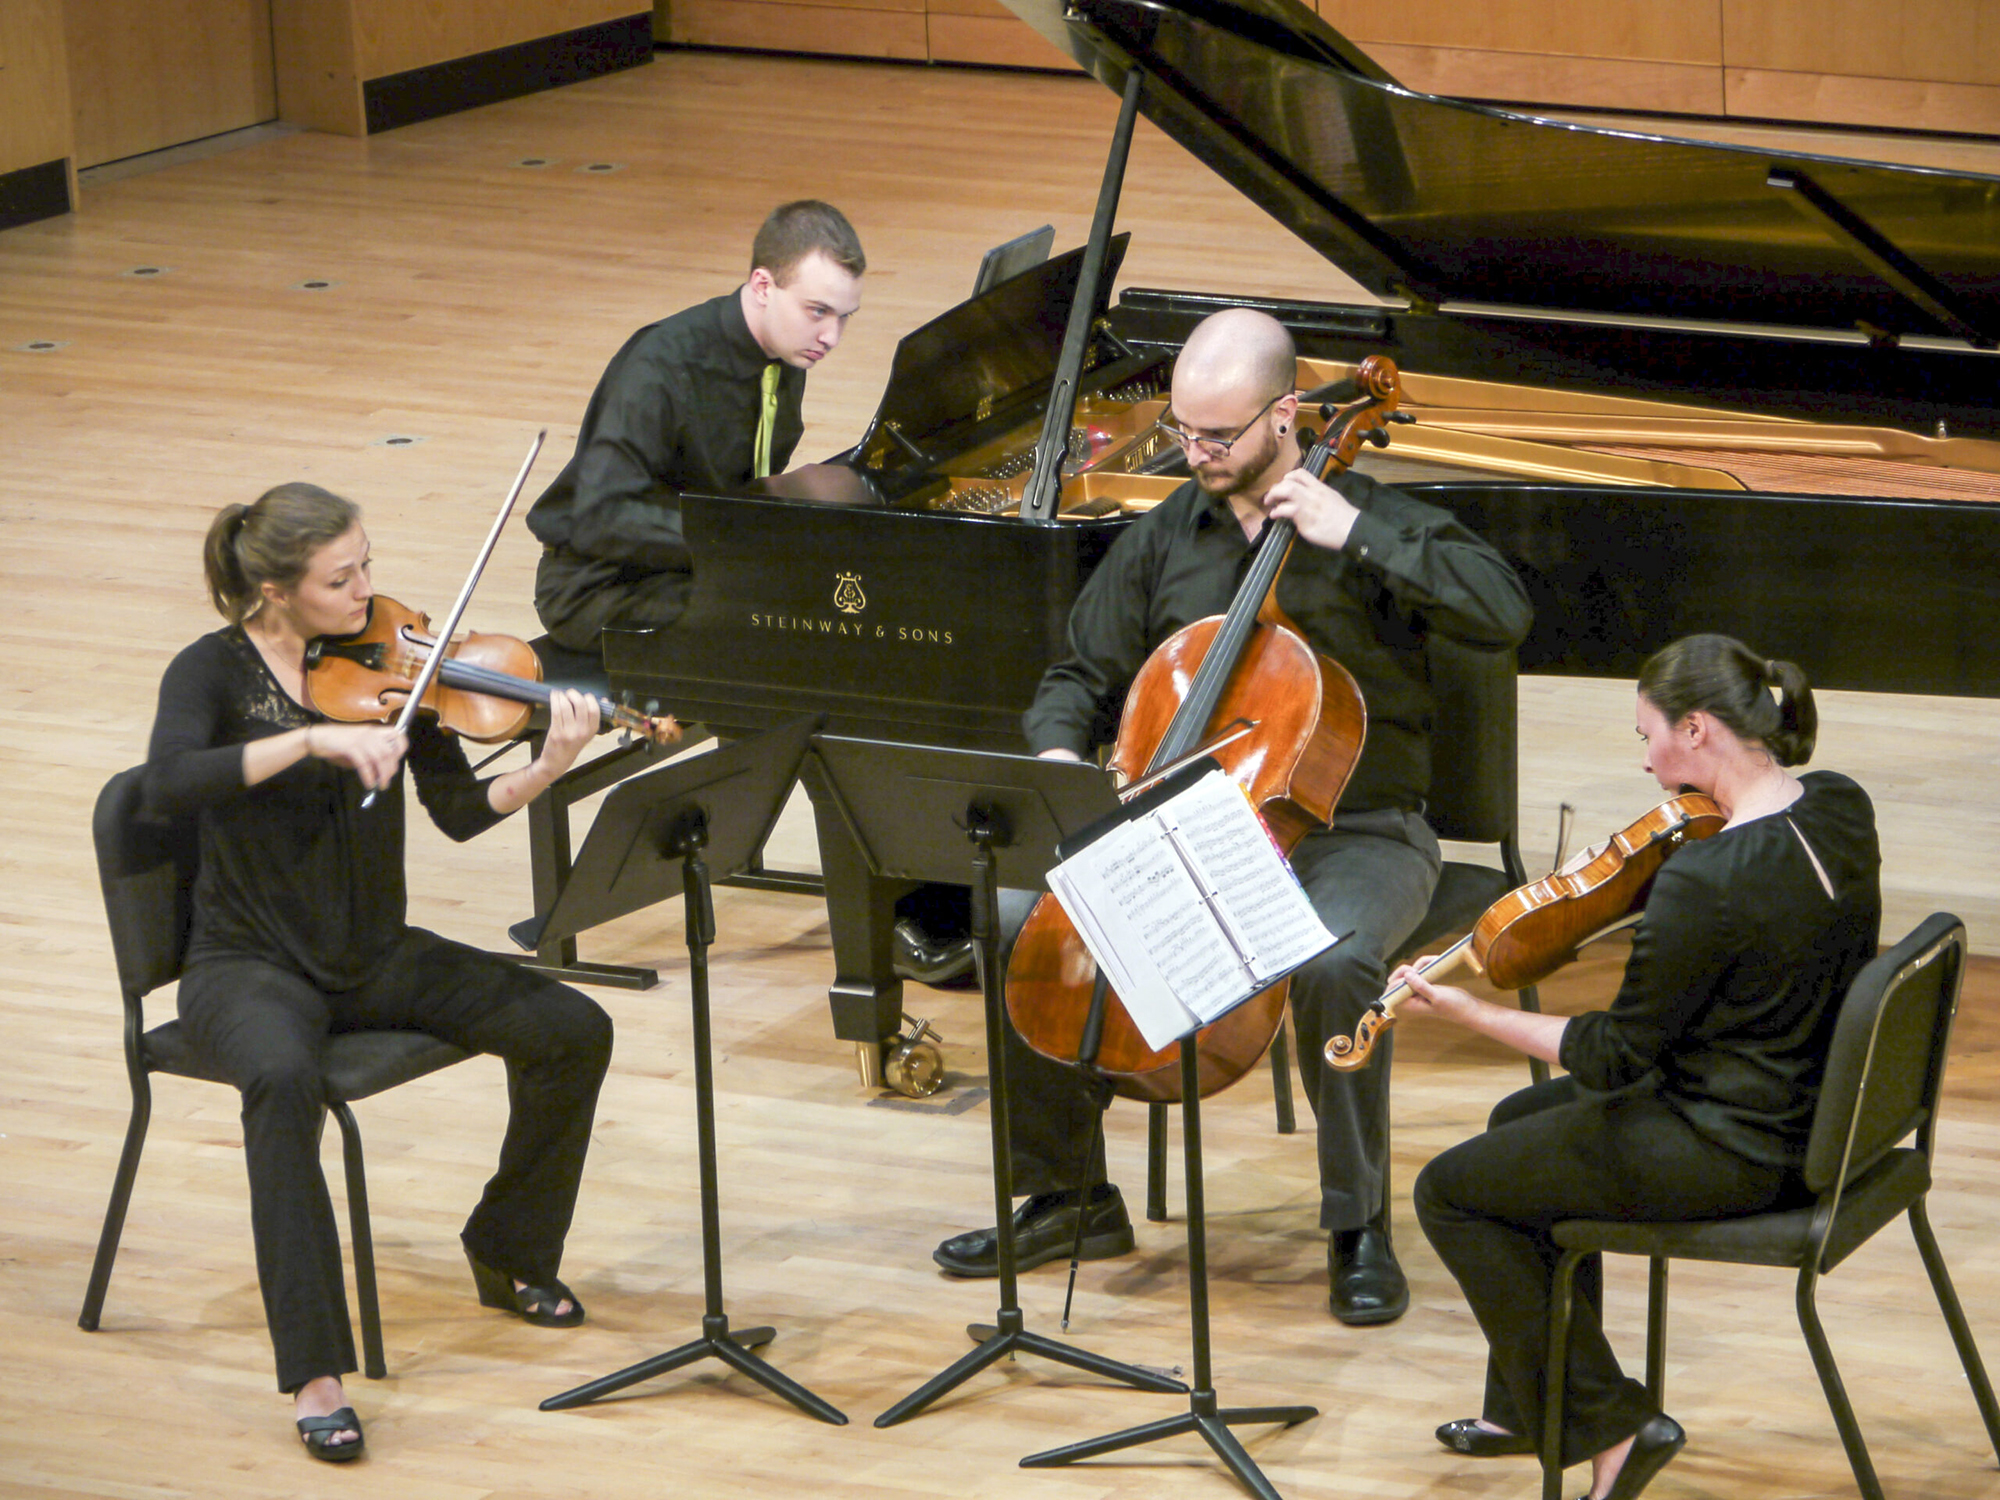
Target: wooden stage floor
469 300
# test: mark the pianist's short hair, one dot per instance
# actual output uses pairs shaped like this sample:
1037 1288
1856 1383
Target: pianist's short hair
796 230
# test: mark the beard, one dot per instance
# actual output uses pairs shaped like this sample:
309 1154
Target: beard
1241 469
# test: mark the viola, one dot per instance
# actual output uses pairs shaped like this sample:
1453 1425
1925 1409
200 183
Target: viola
484 689
1299 724
1529 933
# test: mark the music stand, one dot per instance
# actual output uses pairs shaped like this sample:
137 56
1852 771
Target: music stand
911 810
1204 1415
655 837
1022 253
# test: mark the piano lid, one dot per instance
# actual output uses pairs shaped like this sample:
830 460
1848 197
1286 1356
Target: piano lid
987 354
1439 201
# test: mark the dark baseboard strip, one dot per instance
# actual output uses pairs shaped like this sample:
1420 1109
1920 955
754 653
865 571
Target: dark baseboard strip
34 193
508 72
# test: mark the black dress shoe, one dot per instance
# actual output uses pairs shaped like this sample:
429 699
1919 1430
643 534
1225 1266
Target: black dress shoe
1652 1445
1044 1230
1466 1436
922 959
1365 1285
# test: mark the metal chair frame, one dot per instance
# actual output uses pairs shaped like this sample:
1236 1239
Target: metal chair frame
147 870
1866 1107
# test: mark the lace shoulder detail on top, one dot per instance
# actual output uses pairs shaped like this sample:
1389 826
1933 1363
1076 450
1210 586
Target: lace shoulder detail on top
258 700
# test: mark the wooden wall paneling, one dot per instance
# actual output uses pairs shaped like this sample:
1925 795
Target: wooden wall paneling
1891 103
1683 31
1537 78
884 28
318 71
985 31
147 74
34 86
1934 41
395 36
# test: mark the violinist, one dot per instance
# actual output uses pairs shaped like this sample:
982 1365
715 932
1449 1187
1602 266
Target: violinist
1372 573
298 930
1692 1096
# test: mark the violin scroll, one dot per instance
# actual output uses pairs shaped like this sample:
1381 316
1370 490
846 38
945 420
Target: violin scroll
1349 1053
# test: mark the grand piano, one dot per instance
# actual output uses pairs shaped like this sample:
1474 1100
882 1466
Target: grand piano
1682 385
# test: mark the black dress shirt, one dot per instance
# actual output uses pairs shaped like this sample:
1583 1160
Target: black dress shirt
1407 569
1737 972
676 409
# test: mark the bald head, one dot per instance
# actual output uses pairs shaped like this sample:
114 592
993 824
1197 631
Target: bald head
1235 355
1233 408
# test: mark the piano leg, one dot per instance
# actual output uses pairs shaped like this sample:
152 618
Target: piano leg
866 997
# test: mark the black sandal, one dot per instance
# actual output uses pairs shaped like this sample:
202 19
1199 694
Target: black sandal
318 1433
532 1304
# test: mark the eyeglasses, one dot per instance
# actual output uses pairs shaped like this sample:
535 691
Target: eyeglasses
1217 447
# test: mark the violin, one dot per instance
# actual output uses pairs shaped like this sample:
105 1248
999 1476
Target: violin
485 688
1529 933
1283 720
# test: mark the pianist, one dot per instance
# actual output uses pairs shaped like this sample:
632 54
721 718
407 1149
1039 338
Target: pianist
707 398
1373 571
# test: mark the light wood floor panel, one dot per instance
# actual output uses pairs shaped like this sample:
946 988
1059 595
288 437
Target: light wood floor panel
475 300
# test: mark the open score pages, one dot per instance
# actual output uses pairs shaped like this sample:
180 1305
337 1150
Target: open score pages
1189 909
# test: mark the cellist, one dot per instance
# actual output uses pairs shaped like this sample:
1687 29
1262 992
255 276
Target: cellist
1372 573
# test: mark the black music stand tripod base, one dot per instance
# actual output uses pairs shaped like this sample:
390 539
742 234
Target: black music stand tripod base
912 809
1204 1415
716 1342
668 817
1009 1333
1007 1337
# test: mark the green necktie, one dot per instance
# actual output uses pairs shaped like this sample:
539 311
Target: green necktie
767 421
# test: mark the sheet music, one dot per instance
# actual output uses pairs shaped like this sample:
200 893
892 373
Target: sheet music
1189 909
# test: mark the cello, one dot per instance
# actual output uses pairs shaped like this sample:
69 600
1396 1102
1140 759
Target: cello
1285 722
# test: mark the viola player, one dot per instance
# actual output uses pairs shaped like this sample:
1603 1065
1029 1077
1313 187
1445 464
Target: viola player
298 930
1692 1096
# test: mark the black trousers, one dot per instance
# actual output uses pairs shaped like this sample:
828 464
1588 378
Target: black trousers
262 1025
1552 1152
576 597
1371 874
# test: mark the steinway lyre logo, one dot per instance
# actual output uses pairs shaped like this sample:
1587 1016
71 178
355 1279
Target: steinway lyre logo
847 595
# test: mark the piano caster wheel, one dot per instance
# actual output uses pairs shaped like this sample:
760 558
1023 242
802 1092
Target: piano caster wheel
913 1065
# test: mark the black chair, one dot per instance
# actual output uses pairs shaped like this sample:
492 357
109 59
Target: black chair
147 869
1884 1073
1474 799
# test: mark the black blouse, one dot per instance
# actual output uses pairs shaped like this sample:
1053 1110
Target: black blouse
293 870
1737 972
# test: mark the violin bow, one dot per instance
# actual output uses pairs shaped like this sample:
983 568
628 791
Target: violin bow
443 637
